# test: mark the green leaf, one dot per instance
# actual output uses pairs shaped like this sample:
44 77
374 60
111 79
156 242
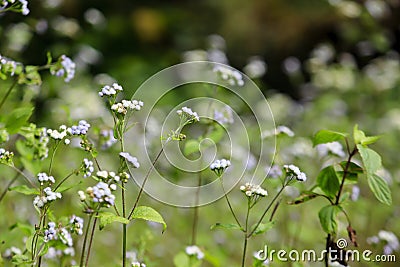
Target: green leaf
21 260
17 118
148 214
191 146
361 138
303 198
228 226
328 181
23 189
109 217
327 136
371 160
263 227
380 189
327 218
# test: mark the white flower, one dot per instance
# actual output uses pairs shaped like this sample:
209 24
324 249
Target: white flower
195 251
274 172
391 239
130 159
50 233
82 195
232 76
110 90
253 190
77 224
124 105
65 67
224 117
280 130
43 177
187 114
293 171
220 165
355 193
81 129
87 167
138 264
101 193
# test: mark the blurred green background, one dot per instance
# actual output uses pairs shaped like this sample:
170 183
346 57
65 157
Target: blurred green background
328 65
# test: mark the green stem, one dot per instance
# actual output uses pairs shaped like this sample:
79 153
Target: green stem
91 240
8 186
196 211
266 210
345 172
64 180
123 229
145 180
229 204
8 93
23 175
246 237
52 156
85 240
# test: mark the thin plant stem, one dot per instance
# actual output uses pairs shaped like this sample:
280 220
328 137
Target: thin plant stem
145 180
8 93
266 210
229 204
196 211
246 237
91 240
64 180
52 156
8 186
23 175
85 240
123 228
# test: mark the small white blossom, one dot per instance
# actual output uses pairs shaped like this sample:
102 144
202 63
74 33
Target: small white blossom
130 159
82 195
110 90
224 116
44 178
253 190
280 130
87 168
355 193
107 138
232 76
391 239
293 171
50 233
194 251
81 129
65 237
5 156
64 68
220 164
138 264
124 105
101 193
274 172
76 224
187 114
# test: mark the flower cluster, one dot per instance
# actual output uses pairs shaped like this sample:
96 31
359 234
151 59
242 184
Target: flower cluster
44 178
48 196
112 90
138 264
132 160
87 168
232 76
65 67
37 139
107 139
280 130
81 129
253 190
334 148
9 66
17 5
220 165
76 225
6 156
391 240
188 115
58 233
100 193
194 251
124 105
275 171
59 134
224 117
293 171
